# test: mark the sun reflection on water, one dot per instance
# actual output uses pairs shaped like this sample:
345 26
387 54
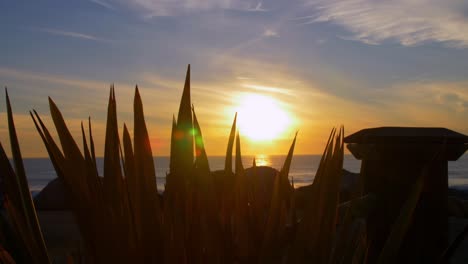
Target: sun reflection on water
262 160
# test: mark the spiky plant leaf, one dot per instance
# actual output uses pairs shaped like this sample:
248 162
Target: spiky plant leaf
73 162
172 156
19 197
201 161
317 227
208 204
288 160
114 187
226 182
72 169
89 164
184 136
133 182
241 233
232 136
24 243
58 161
113 182
144 167
286 188
239 167
69 146
92 159
331 194
275 229
85 191
53 150
91 145
20 179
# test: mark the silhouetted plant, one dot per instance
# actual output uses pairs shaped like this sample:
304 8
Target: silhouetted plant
202 217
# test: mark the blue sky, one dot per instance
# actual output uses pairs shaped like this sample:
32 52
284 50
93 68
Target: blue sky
360 63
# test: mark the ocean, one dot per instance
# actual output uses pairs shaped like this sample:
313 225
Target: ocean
40 171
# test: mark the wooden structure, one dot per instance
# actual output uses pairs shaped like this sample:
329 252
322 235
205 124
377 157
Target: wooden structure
392 160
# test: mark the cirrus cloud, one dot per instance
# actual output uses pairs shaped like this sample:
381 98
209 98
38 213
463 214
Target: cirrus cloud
409 22
155 8
70 34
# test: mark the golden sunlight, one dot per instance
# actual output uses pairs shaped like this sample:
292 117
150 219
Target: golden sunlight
261 117
262 160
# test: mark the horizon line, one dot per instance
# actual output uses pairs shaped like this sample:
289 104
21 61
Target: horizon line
167 156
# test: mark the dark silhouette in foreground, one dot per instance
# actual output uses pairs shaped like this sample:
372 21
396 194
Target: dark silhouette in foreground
233 216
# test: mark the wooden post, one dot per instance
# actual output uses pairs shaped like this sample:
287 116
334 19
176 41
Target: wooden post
392 159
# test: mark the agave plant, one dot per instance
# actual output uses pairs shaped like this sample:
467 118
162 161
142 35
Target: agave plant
203 216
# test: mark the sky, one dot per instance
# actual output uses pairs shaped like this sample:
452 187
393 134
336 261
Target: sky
326 63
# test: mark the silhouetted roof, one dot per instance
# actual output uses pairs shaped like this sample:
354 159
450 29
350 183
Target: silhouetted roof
424 135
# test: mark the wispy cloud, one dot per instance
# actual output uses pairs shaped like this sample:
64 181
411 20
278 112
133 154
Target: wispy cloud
70 34
269 89
33 76
258 8
409 22
270 33
103 4
155 8
452 96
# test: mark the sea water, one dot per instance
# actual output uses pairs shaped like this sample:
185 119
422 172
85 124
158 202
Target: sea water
40 171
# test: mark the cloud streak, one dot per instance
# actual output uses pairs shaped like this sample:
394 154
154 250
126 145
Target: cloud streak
408 22
258 8
270 33
34 77
262 88
155 8
70 34
103 4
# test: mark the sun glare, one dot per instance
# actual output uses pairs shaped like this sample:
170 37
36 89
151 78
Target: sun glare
261 118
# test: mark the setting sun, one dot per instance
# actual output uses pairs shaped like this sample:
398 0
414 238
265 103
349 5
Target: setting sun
261 117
